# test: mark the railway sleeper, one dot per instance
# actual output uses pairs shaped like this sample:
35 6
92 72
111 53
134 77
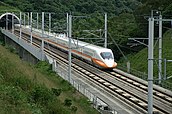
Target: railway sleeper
79 68
155 111
118 75
143 104
143 87
124 78
134 100
113 73
161 95
76 66
127 95
107 84
96 78
119 91
113 87
154 92
130 81
83 70
169 99
92 75
102 81
137 84
88 73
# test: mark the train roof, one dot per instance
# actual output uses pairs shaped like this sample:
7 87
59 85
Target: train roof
81 44
91 46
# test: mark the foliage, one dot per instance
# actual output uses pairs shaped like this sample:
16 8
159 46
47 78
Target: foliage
65 87
45 67
20 94
120 29
144 11
126 18
74 108
57 92
139 60
40 94
55 108
109 6
22 82
7 8
68 102
11 48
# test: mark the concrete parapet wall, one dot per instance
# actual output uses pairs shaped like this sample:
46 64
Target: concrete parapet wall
35 51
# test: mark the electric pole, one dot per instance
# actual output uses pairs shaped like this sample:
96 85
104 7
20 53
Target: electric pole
42 46
69 59
105 45
160 49
150 64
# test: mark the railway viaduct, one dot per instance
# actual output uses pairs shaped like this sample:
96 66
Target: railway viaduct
23 53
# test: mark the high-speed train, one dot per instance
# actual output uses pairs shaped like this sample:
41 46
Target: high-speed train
96 55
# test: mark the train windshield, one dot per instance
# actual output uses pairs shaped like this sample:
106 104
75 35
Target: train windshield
106 55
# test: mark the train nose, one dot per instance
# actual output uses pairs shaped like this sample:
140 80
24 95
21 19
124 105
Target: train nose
110 63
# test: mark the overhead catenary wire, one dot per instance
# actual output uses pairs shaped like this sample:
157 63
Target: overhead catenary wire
118 47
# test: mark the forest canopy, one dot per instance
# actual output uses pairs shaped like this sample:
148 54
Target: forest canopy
126 18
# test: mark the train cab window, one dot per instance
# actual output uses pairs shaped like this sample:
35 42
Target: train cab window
106 55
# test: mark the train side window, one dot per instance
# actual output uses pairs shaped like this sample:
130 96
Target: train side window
102 55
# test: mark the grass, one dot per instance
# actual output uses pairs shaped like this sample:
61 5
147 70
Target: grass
26 88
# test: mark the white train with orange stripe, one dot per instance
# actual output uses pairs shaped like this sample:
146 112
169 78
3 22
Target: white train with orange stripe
96 55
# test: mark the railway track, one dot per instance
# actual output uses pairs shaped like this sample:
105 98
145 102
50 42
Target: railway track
117 84
134 91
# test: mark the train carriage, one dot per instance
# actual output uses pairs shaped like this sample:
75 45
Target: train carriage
96 55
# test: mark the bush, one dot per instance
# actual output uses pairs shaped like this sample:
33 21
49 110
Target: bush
74 108
68 102
42 95
57 92
67 86
45 67
24 83
55 107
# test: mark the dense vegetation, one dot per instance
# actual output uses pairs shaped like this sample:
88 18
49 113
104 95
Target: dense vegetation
139 60
29 89
6 8
126 18
119 29
80 6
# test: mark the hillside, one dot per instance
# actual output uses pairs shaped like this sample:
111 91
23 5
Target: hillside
126 18
26 89
119 10
7 8
139 61
80 6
